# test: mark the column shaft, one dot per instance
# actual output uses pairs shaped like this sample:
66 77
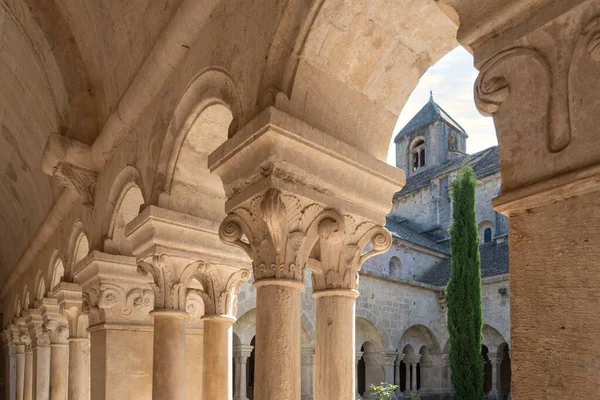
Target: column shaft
79 368
11 372
20 374
217 380
242 382
59 369
358 356
277 340
334 368
397 374
414 377
168 367
407 377
41 372
28 392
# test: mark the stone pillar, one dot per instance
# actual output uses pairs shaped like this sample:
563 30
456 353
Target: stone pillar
175 250
495 360
308 371
10 369
407 387
70 299
397 379
544 56
20 371
285 208
40 343
57 327
389 359
241 354
413 383
411 373
28 392
117 302
358 356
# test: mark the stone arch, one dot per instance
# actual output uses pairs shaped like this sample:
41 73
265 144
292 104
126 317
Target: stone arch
418 336
205 117
57 270
367 332
40 286
17 309
492 338
417 153
124 202
79 247
26 298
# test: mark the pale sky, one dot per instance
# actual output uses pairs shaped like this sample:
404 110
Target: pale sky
451 81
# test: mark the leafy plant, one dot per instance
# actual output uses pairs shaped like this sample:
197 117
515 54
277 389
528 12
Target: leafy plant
384 391
414 397
463 293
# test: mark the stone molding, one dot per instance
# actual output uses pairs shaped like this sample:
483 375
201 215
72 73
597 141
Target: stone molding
412 359
379 359
399 358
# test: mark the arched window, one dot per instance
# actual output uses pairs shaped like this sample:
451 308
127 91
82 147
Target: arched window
395 267
417 152
487 235
451 142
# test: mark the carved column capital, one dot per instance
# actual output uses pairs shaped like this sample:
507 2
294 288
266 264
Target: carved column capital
241 353
83 181
112 290
550 64
186 261
70 301
35 325
399 358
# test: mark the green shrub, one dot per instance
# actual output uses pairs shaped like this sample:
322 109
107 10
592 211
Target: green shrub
384 391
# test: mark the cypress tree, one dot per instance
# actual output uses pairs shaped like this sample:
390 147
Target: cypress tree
463 293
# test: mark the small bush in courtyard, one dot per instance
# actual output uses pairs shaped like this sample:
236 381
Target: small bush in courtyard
384 391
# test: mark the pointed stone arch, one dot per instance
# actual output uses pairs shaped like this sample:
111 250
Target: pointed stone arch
57 270
79 247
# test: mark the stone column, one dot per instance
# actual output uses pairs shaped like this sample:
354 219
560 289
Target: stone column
117 302
358 356
57 326
175 250
389 359
40 343
28 392
407 387
413 384
545 56
308 371
70 299
495 360
241 354
20 371
397 379
286 207
411 373
10 369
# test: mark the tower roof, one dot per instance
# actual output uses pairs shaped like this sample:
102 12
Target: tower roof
430 113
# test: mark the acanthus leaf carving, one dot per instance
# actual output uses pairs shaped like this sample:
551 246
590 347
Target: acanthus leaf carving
81 180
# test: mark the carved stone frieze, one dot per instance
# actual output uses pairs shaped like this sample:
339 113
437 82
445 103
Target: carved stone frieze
112 299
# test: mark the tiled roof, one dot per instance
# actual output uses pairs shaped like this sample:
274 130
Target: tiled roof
430 113
402 232
494 261
484 163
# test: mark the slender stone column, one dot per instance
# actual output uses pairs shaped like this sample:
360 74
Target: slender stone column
413 385
241 354
335 344
79 368
407 380
56 325
389 360
168 375
358 356
20 371
40 343
70 299
285 208
28 392
10 370
495 360
277 327
308 371
399 359
217 357
545 56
